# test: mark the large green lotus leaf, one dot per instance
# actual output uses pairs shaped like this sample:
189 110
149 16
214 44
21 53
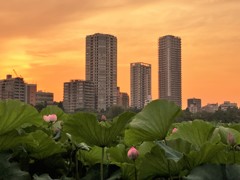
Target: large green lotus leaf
152 123
211 171
93 156
14 139
15 114
53 109
235 126
145 147
205 154
226 156
42 177
11 171
84 127
44 147
170 153
156 164
118 154
196 132
47 177
179 145
223 131
128 171
215 137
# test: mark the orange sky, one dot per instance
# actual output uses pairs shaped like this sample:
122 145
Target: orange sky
44 41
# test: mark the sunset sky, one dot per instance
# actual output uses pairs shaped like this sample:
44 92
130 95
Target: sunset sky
44 41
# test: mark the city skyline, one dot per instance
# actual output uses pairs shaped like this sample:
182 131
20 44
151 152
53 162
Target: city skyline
44 42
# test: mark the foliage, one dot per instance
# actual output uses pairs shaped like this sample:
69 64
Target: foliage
77 145
152 123
15 114
210 171
230 115
84 127
10 170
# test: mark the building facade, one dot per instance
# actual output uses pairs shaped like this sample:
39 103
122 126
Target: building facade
169 72
101 68
78 95
140 84
122 99
213 107
30 93
227 104
194 105
12 88
45 98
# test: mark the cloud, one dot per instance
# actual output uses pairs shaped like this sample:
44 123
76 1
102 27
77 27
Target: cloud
31 18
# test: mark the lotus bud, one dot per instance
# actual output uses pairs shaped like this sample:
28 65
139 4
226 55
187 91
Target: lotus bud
103 118
174 130
230 139
50 118
132 153
46 118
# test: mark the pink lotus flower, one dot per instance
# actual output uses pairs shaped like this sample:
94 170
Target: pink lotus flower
174 130
230 139
103 118
50 118
132 153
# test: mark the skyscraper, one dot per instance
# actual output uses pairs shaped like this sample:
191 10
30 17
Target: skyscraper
101 68
140 84
169 72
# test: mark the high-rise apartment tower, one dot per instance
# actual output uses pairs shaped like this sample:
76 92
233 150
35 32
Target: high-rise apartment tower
101 68
140 84
169 72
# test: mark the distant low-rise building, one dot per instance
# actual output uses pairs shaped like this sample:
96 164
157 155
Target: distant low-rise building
194 105
226 105
210 108
45 98
122 99
78 95
12 88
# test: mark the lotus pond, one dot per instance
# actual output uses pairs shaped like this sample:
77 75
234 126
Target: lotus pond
148 145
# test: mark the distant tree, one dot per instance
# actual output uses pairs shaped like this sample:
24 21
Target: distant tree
60 105
114 111
228 116
134 109
40 106
185 116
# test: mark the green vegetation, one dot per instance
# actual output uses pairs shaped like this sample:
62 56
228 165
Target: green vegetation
231 115
54 145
